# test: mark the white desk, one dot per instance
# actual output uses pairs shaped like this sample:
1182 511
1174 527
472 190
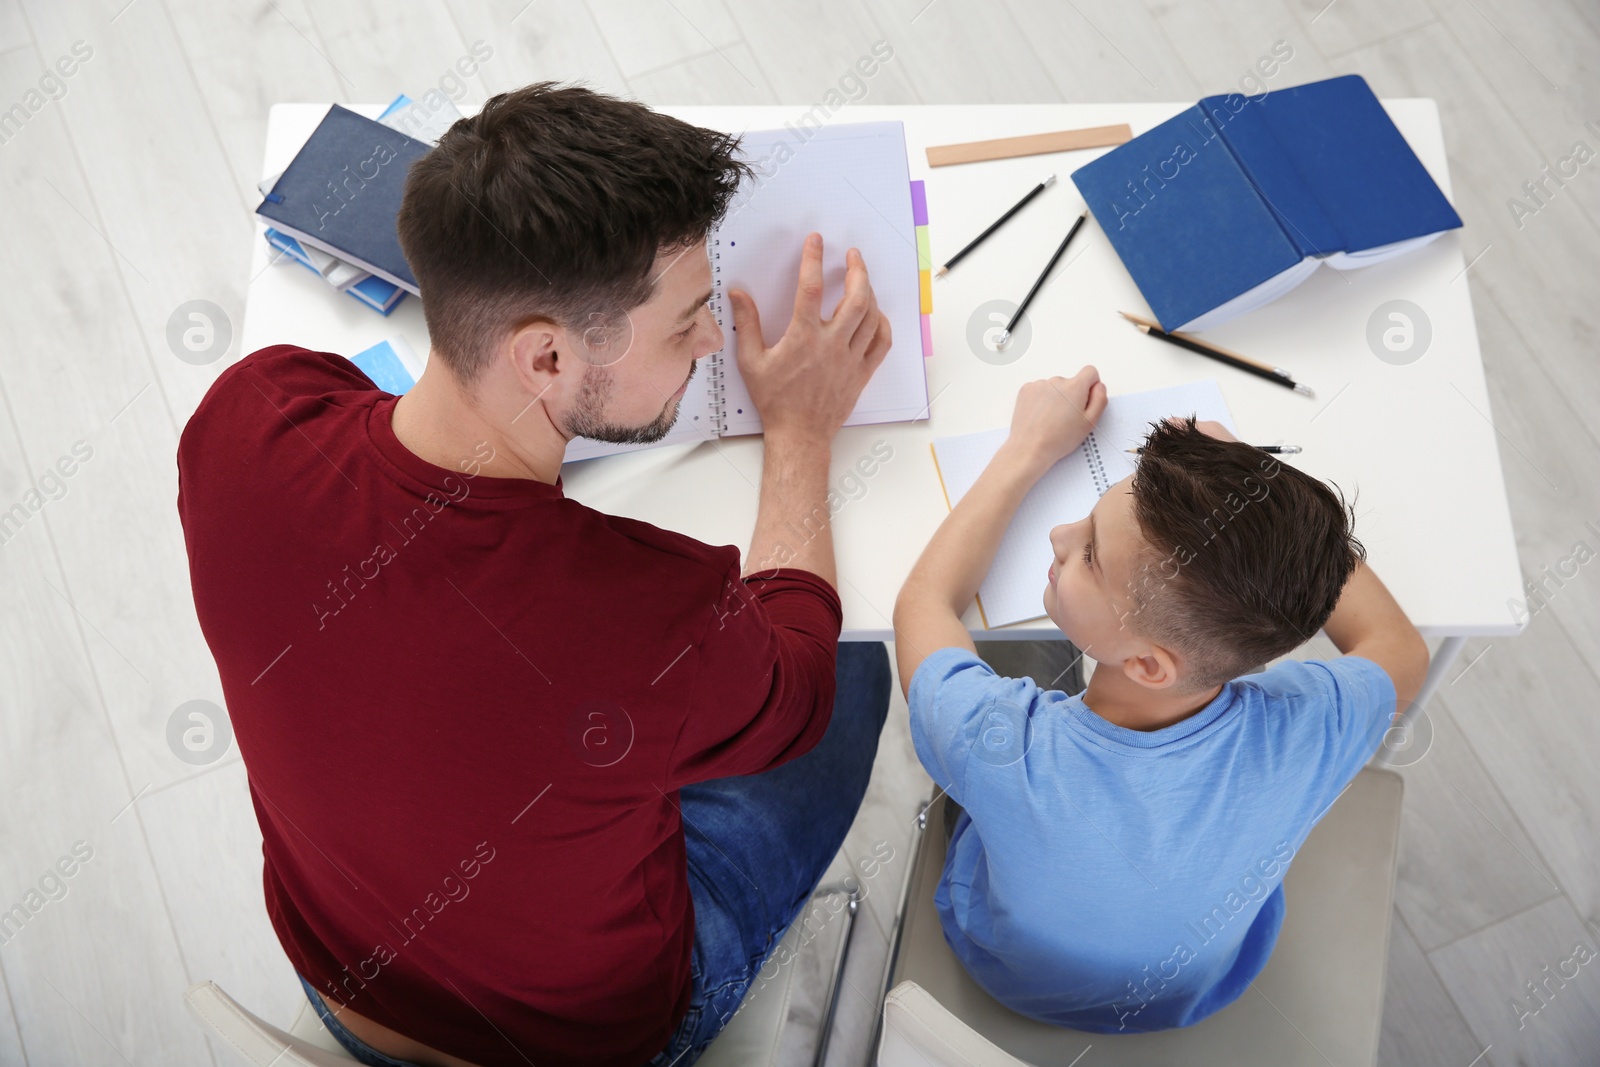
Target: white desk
1411 444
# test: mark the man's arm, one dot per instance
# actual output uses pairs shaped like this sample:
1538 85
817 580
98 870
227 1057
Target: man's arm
792 519
770 655
1052 418
805 387
1367 622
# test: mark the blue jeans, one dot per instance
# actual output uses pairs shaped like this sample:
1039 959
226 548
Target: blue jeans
363 1052
757 847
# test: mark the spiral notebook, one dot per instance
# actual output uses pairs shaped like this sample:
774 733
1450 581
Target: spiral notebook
1012 590
849 182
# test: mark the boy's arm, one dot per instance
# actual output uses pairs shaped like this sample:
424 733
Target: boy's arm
927 613
1367 622
1052 418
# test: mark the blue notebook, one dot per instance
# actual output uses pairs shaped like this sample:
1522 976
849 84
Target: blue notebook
1234 202
388 364
342 193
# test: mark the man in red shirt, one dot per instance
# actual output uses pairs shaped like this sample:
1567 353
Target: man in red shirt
536 784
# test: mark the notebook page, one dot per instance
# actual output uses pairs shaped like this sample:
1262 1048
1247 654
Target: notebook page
850 183
1013 589
1126 420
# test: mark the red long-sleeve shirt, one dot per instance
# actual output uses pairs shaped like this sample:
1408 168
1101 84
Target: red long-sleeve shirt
466 705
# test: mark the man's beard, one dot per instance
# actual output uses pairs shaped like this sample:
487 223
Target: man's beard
586 420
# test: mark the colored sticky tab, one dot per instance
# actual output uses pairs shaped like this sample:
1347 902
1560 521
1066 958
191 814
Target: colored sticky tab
919 219
383 365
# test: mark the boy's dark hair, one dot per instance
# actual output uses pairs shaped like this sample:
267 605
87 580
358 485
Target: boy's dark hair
1245 557
553 203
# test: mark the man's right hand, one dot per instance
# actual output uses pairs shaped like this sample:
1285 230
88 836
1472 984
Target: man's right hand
806 384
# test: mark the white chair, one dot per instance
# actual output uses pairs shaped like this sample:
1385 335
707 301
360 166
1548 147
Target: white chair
749 1040
1319 1002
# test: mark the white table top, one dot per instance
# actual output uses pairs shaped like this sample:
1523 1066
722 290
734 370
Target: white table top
1411 444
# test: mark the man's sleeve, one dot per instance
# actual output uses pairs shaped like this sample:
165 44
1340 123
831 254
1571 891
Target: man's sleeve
765 676
960 707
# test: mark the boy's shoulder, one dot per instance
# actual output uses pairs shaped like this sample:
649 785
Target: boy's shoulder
1341 707
957 677
960 708
1319 682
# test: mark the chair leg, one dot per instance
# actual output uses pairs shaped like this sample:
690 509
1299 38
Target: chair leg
825 1029
913 860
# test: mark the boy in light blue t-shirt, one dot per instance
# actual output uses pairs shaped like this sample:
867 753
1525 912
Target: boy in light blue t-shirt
1119 858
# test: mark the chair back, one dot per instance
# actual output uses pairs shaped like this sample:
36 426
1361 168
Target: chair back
259 1042
1318 1001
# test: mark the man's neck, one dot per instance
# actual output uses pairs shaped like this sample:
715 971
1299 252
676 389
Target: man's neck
439 423
1119 700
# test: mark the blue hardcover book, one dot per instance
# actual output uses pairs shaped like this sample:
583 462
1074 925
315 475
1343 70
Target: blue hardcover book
342 193
1232 203
377 294
373 291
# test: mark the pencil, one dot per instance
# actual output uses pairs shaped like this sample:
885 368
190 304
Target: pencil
1005 334
1049 180
1221 355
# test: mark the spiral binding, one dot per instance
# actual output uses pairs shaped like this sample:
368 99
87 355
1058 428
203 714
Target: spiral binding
714 372
1097 465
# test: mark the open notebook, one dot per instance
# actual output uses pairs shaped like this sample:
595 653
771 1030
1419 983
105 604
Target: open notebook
850 183
1013 588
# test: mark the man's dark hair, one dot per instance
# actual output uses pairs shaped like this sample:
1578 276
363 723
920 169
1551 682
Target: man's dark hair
552 203
1245 557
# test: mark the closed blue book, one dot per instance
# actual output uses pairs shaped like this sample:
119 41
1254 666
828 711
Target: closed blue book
373 291
377 294
1235 201
343 190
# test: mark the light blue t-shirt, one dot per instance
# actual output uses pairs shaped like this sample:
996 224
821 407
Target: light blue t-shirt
1116 880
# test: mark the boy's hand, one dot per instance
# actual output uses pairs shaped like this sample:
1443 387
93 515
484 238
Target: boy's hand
1054 415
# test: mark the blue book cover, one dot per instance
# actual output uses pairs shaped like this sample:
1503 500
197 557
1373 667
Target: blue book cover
377 294
373 291
343 190
1236 200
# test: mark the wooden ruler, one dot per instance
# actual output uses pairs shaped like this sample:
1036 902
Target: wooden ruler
1031 145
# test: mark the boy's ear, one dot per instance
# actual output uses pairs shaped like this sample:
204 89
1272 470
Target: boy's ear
1155 669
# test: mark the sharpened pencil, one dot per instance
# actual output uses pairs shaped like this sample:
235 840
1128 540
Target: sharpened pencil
1016 316
1049 180
1221 355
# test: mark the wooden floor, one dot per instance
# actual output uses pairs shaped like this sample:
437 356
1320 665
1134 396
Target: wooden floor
127 191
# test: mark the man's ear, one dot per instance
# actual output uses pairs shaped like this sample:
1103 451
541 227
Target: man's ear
1155 668
534 348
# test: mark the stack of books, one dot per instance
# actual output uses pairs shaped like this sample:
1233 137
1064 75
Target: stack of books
332 209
